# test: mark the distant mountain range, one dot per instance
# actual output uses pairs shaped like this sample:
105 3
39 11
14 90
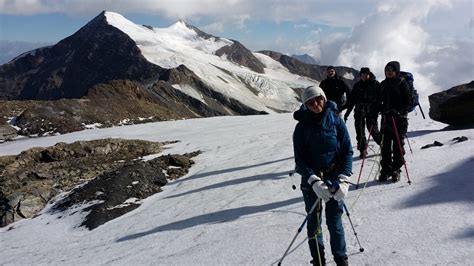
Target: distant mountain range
11 49
180 69
306 58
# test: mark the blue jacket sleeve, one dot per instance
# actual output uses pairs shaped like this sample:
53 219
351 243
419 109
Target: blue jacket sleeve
298 148
345 149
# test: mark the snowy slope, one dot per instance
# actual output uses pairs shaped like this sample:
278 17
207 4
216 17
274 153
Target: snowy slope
179 44
236 205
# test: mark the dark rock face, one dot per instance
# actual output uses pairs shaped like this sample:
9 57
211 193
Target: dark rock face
120 102
107 167
113 103
315 72
237 53
97 53
216 103
120 191
454 106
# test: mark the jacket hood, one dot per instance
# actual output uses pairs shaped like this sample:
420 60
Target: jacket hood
395 65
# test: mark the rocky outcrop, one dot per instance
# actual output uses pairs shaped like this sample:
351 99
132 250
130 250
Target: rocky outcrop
101 173
115 103
97 53
315 72
119 102
453 106
7 132
238 54
215 103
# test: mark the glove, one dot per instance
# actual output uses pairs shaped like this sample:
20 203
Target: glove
343 188
319 188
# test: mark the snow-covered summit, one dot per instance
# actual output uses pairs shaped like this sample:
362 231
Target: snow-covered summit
166 47
182 44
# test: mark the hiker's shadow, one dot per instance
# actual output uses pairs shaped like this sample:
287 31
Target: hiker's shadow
368 157
212 218
454 185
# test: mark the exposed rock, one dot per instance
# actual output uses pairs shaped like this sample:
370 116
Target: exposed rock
117 192
459 139
7 132
434 144
237 53
453 106
215 102
120 102
75 64
37 175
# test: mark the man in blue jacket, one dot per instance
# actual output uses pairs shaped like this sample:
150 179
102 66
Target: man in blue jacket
323 152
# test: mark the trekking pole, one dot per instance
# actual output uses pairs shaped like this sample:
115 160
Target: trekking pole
361 249
318 201
423 114
363 157
334 187
409 145
291 174
401 149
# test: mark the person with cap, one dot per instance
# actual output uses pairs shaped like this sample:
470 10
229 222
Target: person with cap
335 88
323 157
395 99
365 97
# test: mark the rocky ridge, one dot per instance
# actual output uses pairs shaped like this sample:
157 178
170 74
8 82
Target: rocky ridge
107 175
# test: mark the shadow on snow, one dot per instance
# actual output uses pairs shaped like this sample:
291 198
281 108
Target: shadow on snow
451 186
274 176
454 185
211 218
229 170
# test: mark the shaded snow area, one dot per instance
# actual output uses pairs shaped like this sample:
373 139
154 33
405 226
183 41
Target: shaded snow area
179 44
237 206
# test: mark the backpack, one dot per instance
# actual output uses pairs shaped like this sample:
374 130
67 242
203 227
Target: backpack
414 97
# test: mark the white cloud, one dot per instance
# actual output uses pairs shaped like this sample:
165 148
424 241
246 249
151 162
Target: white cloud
395 32
329 12
213 27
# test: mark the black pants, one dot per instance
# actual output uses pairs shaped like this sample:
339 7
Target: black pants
362 120
392 152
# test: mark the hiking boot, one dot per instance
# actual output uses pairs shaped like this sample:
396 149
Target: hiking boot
383 177
342 261
396 176
316 262
363 154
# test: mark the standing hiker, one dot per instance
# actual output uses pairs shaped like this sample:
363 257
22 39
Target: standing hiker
323 153
335 88
395 101
365 96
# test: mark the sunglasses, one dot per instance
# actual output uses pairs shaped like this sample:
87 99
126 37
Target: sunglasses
315 100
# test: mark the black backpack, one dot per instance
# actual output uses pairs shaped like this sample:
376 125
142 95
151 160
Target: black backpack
414 97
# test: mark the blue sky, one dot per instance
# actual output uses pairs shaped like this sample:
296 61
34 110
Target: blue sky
421 34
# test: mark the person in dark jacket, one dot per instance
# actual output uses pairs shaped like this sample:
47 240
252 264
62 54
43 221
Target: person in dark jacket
365 96
395 101
323 153
335 88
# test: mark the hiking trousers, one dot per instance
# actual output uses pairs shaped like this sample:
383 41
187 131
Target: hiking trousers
392 155
333 211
